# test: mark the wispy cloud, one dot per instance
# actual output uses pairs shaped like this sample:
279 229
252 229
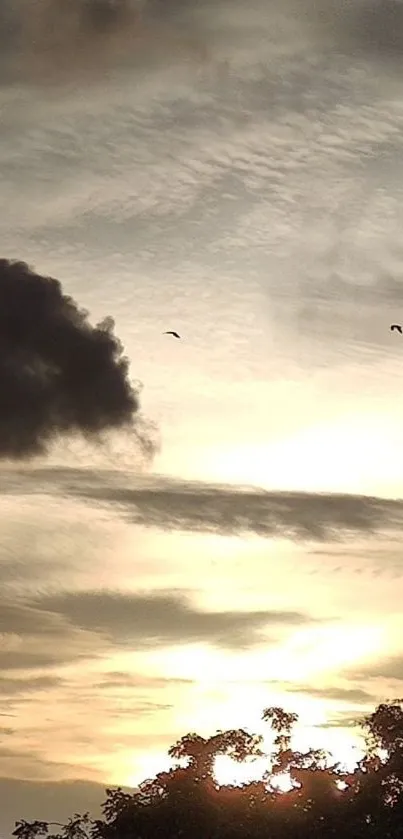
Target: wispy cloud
162 619
351 695
173 504
38 639
117 679
344 719
10 686
387 668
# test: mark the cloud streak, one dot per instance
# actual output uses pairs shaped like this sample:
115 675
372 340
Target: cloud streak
390 667
35 639
353 695
224 509
162 619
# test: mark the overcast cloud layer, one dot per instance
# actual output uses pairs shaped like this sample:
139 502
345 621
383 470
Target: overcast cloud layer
234 173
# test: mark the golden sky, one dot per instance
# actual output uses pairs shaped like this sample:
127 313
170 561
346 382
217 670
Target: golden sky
237 179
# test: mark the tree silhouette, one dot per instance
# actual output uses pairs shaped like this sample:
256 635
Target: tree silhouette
236 743
324 802
282 722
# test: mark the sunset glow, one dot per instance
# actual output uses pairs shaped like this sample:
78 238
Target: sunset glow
194 530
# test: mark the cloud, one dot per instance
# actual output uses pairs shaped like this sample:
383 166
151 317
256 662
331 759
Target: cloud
23 620
162 619
117 679
350 695
213 508
86 37
51 630
36 639
10 687
39 660
343 720
390 667
47 800
58 374
374 28
37 37
295 514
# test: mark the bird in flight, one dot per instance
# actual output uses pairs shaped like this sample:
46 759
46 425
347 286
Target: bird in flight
170 332
396 326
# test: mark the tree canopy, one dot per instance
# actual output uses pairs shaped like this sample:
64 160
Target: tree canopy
324 800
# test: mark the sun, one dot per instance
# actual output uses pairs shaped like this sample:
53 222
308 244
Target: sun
147 767
228 772
282 782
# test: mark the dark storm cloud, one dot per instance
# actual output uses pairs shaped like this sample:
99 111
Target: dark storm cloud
58 374
213 508
162 619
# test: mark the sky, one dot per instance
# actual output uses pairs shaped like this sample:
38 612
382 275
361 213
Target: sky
230 171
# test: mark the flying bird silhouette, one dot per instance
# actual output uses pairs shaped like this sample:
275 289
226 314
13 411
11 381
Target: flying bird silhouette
396 326
170 332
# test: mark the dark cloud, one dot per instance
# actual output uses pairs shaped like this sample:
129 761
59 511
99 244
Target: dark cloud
58 374
210 508
158 619
87 36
